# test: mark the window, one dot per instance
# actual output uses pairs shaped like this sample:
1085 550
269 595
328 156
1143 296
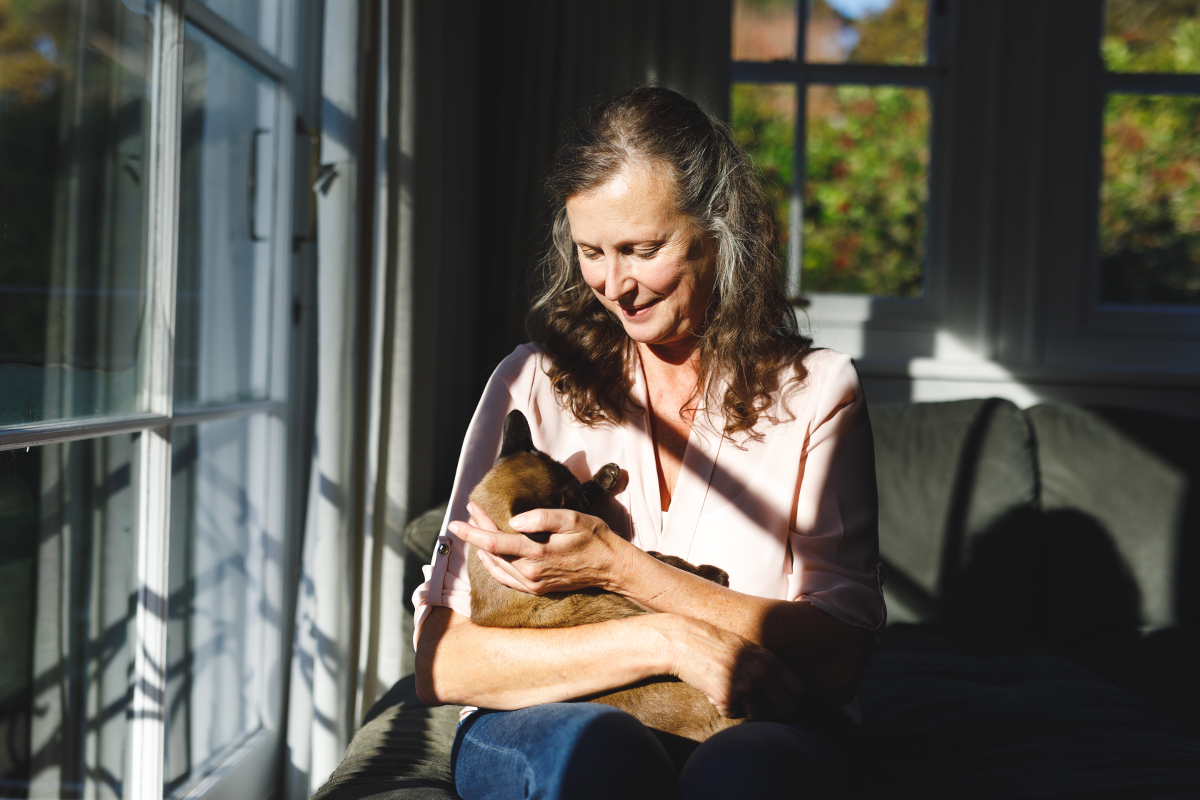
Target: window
145 270
1149 207
834 100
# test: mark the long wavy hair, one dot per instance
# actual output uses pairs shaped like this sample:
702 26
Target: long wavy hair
750 330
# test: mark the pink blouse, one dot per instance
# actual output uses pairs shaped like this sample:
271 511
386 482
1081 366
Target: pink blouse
791 516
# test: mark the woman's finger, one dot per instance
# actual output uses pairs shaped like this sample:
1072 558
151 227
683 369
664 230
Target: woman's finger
480 519
788 677
504 573
496 542
777 697
546 520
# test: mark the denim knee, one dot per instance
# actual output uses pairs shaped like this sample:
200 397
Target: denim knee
765 760
568 750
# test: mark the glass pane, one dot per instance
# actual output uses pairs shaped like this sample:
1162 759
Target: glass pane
764 123
72 117
1150 201
67 594
1151 36
866 31
866 191
764 30
258 19
215 635
226 227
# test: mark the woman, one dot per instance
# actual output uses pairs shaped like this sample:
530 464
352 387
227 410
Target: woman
662 342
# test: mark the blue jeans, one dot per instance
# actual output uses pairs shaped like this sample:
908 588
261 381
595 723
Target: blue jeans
578 751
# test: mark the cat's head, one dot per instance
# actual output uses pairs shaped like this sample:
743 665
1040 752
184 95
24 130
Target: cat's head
524 478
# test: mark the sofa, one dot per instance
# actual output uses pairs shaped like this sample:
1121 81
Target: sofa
1043 614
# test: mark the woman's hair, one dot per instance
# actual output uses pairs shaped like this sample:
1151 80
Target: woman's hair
750 329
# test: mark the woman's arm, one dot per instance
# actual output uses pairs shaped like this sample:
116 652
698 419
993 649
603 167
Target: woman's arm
834 552
827 654
506 668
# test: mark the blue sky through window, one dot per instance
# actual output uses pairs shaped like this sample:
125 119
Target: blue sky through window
859 8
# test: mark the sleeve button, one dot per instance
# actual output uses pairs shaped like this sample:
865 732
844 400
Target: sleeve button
443 549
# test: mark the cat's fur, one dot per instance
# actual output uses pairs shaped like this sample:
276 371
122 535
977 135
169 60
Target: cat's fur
524 478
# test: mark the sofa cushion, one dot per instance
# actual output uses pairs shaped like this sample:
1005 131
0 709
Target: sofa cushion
402 752
1138 474
946 471
420 535
1003 718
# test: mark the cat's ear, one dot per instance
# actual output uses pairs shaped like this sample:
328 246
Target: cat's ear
517 438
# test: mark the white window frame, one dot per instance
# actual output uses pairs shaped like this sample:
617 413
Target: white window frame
838 316
1122 344
1155 320
249 767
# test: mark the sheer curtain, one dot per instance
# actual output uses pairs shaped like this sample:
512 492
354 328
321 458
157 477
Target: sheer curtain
448 115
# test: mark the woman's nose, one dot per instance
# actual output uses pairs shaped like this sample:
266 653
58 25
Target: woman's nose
618 278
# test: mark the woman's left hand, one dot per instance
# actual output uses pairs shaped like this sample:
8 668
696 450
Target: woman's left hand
581 550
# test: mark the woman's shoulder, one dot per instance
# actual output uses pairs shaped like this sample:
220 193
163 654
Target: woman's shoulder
523 371
818 377
813 366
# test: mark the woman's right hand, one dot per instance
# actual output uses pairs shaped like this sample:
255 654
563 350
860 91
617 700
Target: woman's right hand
740 678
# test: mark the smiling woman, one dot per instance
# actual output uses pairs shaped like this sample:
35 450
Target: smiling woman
645 261
662 342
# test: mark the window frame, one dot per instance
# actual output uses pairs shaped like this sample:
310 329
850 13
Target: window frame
1079 336
1143 320
248 767
837 315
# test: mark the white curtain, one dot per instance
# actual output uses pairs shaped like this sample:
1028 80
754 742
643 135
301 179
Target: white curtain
464 104
319 722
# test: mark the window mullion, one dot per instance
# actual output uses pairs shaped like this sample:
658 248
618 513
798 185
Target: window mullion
153 456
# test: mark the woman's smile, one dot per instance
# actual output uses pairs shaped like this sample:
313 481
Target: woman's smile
642 258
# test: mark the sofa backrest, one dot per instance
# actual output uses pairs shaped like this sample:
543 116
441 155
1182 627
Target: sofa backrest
946 472
1138 474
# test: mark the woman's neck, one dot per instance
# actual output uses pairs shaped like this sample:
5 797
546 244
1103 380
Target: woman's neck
673 364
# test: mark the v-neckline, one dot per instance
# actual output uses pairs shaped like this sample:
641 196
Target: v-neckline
676 529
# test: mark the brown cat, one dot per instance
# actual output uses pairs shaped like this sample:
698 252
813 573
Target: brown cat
524 478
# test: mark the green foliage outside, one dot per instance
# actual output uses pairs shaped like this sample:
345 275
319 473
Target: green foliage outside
865 199
867 153
1150 194
764 123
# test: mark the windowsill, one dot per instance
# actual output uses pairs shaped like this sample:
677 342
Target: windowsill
981 371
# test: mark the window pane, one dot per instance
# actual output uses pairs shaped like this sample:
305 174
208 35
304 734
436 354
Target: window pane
764 30
1150 201
764 123
865 197
215 635
67 594
72 116
1151 36
258 19
226 225
867 31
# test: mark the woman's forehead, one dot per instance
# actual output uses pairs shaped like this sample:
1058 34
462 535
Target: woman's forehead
635 198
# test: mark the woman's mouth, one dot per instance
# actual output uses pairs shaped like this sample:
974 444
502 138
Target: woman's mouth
633 312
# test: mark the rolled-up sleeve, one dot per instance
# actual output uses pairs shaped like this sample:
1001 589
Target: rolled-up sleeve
834 536
446 580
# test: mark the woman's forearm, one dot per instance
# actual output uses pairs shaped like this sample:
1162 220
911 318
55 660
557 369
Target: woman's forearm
827 653
505 668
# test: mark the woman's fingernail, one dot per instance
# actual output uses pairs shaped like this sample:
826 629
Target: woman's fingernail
453 526
517 521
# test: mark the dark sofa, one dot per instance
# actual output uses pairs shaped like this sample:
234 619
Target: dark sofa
1043 614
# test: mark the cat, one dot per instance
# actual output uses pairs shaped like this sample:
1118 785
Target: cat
524 478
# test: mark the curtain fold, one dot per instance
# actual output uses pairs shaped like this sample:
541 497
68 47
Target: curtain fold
322 680
434 251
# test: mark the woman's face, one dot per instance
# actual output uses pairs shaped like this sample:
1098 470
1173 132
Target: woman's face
642 258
